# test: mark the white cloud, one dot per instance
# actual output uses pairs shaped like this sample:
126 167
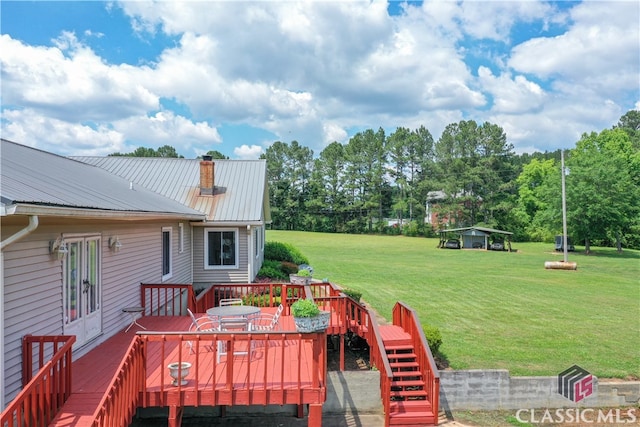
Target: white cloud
303 63
495 20
308 71
244 152
31 128
599 51
165 128
70 82
333 132
511 95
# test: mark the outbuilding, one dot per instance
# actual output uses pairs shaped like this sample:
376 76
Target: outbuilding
478 238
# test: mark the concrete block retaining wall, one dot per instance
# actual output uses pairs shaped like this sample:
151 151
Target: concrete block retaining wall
496 389
358 392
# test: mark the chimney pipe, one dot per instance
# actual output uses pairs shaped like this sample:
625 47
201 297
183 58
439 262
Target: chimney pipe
206 176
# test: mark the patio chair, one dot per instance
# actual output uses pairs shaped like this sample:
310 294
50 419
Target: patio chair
232 324
196 320
267 322
200 324
230 301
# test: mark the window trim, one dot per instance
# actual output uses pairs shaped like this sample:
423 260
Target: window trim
169 274
236 237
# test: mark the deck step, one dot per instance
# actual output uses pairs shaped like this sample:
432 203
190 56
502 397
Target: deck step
416 413
399 407
409 404
406 375
407 394
398 347
419 419
407 383
404 365
394 356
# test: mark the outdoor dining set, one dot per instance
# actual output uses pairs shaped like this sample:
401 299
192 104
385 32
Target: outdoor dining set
231 315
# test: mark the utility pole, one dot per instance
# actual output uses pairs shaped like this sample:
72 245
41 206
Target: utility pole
566 265
564 210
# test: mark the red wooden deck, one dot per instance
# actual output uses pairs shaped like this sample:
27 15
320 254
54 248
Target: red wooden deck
277 371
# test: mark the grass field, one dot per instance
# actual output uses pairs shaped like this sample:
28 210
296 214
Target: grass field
496 309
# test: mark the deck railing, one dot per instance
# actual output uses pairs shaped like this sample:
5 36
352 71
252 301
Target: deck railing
120 402
256 294
337 306
43 394
260 382
358 317
378 358
166 299
405 317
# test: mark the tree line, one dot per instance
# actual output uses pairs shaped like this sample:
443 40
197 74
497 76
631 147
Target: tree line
378 183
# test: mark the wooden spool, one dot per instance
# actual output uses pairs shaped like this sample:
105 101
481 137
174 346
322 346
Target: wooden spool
560 265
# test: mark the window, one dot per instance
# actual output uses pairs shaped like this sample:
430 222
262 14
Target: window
180 238
221 248
256 241
166 253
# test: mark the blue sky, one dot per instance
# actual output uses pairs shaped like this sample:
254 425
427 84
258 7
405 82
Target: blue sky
93 78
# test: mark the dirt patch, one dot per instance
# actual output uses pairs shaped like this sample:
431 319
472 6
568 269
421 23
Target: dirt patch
356 353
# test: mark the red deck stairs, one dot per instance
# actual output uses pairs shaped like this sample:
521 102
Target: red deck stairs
410 404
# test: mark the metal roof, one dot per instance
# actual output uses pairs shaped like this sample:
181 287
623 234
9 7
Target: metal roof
483 229
43 180
240 194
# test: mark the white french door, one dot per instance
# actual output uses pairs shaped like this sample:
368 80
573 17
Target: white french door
82 290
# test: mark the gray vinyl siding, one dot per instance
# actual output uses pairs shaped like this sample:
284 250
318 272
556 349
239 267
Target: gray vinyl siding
33 282
33 303
259 257
232 275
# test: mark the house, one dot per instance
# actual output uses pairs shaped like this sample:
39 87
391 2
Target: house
228 245
435 212
78 238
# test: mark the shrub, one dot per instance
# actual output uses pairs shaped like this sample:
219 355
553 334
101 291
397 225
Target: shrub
411 229
272 270
303 273
259 300
288 267
279 251
433 336
304 308
356 295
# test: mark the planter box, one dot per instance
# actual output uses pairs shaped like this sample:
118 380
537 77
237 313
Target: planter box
313 324
299 280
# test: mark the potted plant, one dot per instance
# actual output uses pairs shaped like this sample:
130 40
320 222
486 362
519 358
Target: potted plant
302 277
308 317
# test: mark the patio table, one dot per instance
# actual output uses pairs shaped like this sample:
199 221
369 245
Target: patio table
248 312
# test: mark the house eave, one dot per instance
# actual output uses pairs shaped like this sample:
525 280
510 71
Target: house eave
88 213
228 224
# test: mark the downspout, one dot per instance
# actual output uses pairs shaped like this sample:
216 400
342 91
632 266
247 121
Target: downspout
33 224
191 252
249 255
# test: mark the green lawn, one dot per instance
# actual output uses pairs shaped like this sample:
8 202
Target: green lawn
496 309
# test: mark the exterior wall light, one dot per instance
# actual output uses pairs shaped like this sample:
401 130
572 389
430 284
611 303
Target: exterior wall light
114 244
58 248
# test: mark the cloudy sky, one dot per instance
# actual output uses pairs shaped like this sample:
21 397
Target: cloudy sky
94 78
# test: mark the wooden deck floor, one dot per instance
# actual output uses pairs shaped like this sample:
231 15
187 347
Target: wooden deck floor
265 374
